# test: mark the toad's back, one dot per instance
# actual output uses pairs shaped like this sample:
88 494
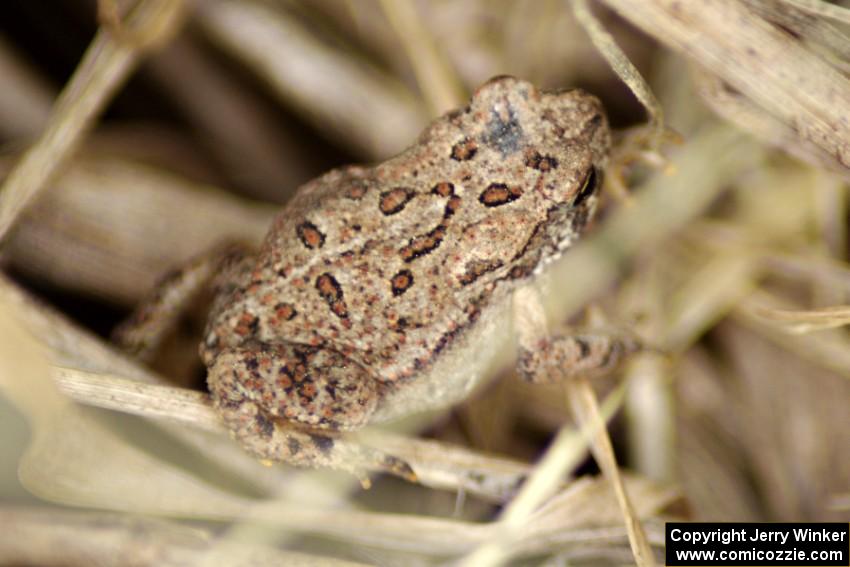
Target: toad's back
392 265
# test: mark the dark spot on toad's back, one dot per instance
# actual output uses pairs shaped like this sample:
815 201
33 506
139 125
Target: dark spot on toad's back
540 162
451 207
464 150
285 311
331 292
401 282
443 189
309 235
504 132
356 191
394 200
477 268
498 194
423 244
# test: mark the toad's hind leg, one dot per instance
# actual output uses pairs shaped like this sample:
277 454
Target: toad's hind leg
160 312
288 402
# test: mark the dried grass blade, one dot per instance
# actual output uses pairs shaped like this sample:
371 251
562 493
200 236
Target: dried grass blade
624 68
829 349
437 465
437 80
807 321
39 536
761 61
563 455
107 63
817 7
25 98
340 94
586 409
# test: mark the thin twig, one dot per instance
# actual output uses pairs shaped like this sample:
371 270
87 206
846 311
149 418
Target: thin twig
624 68
436 464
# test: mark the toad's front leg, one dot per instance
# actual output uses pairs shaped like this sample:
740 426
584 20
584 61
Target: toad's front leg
289 402
573 359
545 358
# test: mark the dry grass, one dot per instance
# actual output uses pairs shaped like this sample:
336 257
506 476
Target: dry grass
728 256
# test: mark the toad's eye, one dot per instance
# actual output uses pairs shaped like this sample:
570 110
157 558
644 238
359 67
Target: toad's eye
588 187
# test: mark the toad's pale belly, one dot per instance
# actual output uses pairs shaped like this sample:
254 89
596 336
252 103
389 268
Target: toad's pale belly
482 349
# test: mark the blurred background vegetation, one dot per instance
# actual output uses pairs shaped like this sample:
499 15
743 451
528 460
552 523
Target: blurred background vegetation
729 255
